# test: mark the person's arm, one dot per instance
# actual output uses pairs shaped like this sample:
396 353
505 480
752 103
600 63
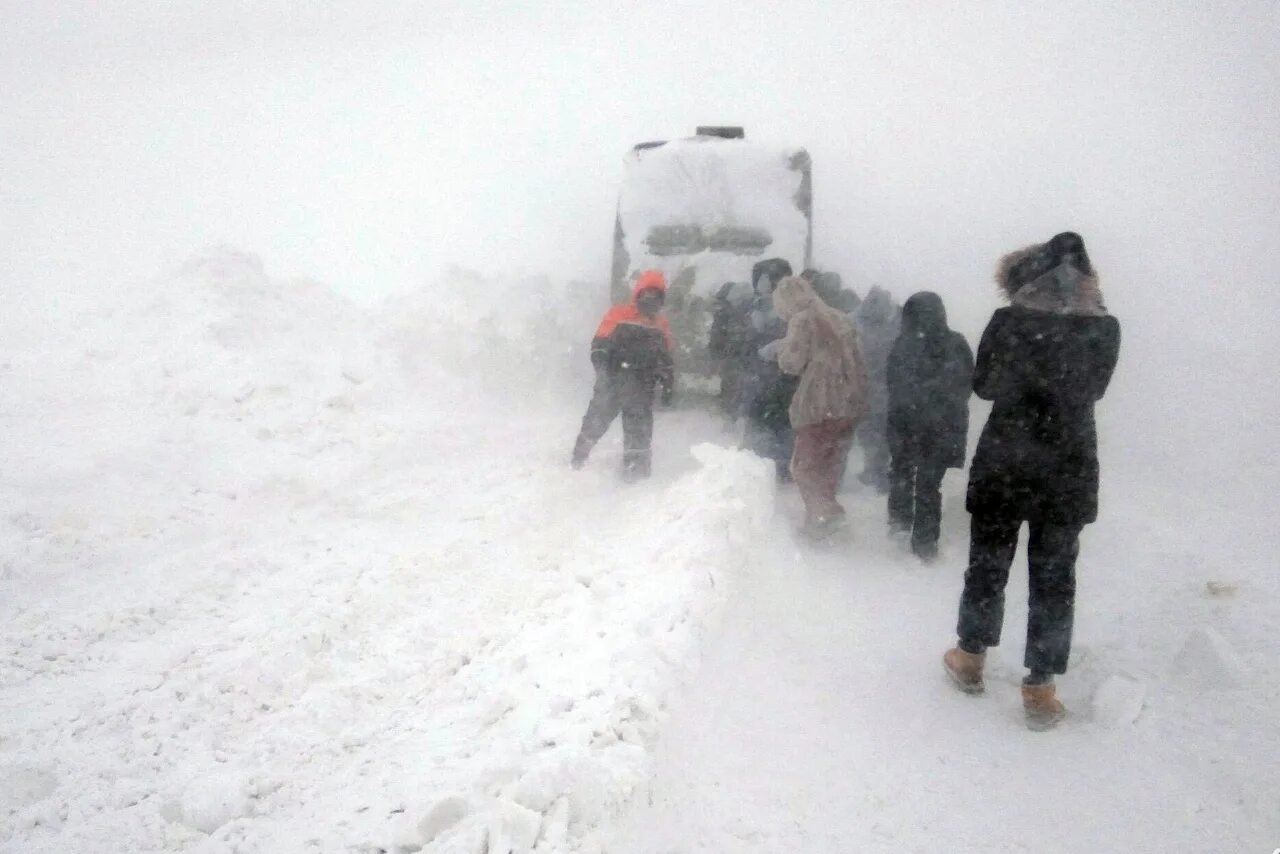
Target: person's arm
793 349
1105 354
961 366
991 374
602 341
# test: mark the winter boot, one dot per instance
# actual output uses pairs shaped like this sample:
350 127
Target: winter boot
965 669
926 552
1043 709
635 466
581 450
824 529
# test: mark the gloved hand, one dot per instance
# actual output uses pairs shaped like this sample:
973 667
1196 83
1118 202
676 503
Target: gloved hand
769 352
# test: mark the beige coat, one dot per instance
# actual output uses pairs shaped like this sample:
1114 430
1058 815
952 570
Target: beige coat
822 349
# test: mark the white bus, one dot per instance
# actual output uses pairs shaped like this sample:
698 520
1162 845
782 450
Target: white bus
704 210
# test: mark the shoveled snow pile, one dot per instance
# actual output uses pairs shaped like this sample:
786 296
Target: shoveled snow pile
271 584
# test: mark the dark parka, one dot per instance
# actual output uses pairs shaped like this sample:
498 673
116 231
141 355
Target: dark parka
771 389
1043 361
930 375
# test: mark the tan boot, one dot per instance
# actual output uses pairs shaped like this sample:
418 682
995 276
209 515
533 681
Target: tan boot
965 669
1043 709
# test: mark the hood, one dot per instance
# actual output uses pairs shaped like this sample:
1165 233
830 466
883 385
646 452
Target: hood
736 294
772 269
646 280
1022 266
792 296
1062 290
924 314
876 307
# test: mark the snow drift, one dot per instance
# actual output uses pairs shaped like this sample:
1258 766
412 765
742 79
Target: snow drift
318 578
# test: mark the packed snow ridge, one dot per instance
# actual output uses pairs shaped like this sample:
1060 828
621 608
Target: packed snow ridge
283 574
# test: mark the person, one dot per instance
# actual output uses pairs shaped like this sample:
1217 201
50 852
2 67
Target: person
768 394
631 354
820 347
1043 361
730 344
929 376
876 321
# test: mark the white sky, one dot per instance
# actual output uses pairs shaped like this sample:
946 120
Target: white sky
367 145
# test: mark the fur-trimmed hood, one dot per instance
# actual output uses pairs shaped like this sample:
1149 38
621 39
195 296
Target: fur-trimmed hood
1007 265
1028 277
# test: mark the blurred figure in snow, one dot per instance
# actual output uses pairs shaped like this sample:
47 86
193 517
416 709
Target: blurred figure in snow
631 354
930 377
876 320
730 344
1044 361
769 391
820 347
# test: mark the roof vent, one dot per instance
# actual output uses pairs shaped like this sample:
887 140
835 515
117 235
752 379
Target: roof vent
722 131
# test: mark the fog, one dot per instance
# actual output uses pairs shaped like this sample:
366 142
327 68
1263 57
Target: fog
369 147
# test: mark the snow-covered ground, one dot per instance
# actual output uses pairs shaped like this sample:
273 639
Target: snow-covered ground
282 574
275 580
822 720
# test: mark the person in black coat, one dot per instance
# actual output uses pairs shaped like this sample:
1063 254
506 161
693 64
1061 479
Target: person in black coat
729 343
1043 361
768 396
929 374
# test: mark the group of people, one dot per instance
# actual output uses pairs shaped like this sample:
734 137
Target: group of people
756 392
809 367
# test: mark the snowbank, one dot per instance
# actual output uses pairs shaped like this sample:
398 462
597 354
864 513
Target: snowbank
318 579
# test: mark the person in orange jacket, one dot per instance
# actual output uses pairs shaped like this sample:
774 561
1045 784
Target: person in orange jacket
631 352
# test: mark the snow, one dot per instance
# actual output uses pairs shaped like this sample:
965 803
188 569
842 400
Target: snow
258 619
286 571
318 578
822 720
711 183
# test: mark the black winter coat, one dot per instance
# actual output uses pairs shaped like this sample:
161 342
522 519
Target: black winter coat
1038 455
770 388
930 376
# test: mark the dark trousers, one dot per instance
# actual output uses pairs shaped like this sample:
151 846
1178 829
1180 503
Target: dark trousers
872 437
915 499
733 383
632 396
1051 561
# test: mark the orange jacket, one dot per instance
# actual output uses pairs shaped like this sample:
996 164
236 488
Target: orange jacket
626 338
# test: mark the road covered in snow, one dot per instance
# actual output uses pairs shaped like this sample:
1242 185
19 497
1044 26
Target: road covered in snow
281 574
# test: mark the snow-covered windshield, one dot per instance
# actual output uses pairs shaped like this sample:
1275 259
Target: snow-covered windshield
708 208
666 240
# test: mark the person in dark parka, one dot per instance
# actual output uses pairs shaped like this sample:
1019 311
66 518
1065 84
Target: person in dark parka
930 376
877 321
729 343
1043 361
768 397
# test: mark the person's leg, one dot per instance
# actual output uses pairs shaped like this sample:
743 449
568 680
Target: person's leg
601 411
927 518
805 469
1051 560
785 444
837 439
637 429
993 540
902 477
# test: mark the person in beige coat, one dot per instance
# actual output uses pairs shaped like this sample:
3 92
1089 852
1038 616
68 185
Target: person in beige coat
821 348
